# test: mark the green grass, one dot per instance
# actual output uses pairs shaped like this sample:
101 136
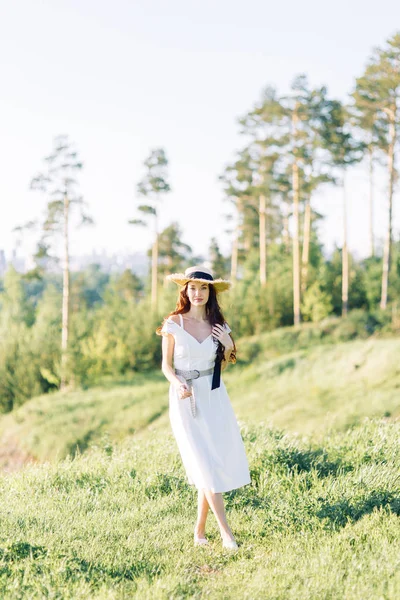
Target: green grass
307 391
320 519
310 391
53 426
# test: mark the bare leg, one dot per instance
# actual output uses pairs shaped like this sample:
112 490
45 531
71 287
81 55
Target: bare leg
216 503
202 512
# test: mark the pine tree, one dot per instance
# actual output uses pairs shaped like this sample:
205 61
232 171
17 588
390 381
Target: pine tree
378 90
151 187
58 182
365 119
219 264
289 130
172 251
237 180
345 151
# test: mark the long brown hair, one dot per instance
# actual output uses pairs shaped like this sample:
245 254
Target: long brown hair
213 313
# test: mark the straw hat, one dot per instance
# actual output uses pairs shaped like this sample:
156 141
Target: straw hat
199 273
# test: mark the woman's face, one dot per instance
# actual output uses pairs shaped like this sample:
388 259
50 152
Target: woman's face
198 293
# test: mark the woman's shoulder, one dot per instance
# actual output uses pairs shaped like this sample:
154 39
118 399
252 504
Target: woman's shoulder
168 326
173 319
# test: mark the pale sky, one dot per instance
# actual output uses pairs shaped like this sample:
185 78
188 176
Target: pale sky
123 77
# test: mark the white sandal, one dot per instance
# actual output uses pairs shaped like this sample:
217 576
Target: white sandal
230 544
200 541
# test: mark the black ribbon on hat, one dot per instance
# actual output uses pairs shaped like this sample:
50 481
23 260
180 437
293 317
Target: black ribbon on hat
200 275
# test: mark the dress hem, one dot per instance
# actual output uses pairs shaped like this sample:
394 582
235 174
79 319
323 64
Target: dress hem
230 489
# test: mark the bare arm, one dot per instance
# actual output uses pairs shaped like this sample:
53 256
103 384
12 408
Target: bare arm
223 336
168 343
227 354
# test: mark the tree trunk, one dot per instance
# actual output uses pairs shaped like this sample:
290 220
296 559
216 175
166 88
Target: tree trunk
234 257
306 245
65 302
235 242
345 256
154 266
263 248
388 242
296 250
371 201
285 232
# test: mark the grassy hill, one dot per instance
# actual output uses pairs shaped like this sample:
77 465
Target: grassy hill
307 390
320 519
53 426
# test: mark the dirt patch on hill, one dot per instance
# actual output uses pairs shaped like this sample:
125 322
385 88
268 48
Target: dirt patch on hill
12 457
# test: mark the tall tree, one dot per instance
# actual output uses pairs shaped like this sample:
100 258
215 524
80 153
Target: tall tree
365 119
266 160
309 184
283 192
219 264
252 187
379 90
291 127
263 124
172 251
345 150
58 181
151 188
307 107
237 180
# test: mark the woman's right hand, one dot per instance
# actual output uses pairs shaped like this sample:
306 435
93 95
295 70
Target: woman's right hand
183 391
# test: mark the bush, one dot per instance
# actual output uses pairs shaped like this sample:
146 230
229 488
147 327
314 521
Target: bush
317 304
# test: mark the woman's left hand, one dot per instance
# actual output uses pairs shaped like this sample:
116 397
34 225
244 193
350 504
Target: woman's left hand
221 334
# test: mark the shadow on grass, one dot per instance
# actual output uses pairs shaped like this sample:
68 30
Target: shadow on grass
298 461
82 444
293 461
162 484
157 415
79 568
280 454
344 511
246 497
21 550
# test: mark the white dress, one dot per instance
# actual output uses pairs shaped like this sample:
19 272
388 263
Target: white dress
210 444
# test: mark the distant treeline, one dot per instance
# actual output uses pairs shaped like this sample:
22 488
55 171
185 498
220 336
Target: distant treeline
112 327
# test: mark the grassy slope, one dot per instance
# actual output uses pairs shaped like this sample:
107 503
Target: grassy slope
320 519
306 391
320 388
52 426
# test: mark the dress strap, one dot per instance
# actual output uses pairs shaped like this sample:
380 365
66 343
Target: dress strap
181 320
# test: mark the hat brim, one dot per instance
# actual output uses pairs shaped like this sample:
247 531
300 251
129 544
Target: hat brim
220 285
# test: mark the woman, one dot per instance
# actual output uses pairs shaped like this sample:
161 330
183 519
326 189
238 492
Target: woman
195 345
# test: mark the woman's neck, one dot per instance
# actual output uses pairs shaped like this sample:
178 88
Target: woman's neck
198 313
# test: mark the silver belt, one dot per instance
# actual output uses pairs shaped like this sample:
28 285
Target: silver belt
189 376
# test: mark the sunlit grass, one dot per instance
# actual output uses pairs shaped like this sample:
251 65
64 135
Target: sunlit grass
53 426
319 520
306 391
310 391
